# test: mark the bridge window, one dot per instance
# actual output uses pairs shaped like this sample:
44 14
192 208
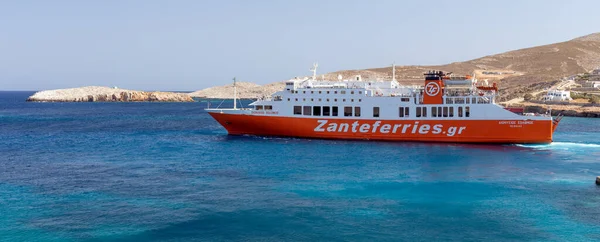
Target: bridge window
460 111
439 111
334 111
316 110
404 99
467 112
347 111
258 107
342 92
356 111
376 112
268 107
326 110
451 112
467 100
306 110
445 111
297 110
433 111
403 112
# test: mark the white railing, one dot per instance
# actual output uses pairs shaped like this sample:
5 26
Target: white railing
468 100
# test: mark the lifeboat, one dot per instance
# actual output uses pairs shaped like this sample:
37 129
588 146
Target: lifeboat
494 87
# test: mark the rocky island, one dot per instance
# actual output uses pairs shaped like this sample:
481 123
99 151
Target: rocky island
106 94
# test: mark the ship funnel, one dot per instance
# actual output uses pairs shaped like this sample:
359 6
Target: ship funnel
433 89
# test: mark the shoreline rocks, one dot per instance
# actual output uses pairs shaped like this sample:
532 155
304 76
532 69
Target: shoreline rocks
106 94
566 110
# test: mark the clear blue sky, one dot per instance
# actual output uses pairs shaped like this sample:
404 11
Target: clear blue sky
194 44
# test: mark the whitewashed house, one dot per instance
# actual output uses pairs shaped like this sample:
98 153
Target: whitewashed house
557 96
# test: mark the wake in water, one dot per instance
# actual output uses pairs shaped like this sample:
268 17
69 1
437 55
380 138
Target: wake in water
561 145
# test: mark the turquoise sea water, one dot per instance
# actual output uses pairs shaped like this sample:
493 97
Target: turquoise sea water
168 172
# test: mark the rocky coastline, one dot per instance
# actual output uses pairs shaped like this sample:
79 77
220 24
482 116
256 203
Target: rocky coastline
566 110
106 94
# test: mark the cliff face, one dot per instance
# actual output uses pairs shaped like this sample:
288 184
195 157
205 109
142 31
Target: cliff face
106 94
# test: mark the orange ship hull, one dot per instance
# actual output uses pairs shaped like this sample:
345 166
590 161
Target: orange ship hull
460 131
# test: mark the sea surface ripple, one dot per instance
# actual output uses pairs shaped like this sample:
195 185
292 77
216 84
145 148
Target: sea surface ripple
168 172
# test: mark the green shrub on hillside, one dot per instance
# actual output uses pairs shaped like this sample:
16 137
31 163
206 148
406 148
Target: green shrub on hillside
584 77
528 97
594 99
577 95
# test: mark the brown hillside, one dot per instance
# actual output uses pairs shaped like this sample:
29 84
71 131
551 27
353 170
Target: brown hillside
554 61
244 90
516 71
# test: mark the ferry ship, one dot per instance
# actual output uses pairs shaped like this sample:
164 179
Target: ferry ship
447 108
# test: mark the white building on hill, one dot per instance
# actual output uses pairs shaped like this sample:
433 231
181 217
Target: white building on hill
557 96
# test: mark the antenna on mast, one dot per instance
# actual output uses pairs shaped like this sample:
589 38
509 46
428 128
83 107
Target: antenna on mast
234 94
394 71
314 70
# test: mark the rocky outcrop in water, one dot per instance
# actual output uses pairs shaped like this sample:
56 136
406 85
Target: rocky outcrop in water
106 94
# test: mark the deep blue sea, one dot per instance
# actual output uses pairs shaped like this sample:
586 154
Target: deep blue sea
168 172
